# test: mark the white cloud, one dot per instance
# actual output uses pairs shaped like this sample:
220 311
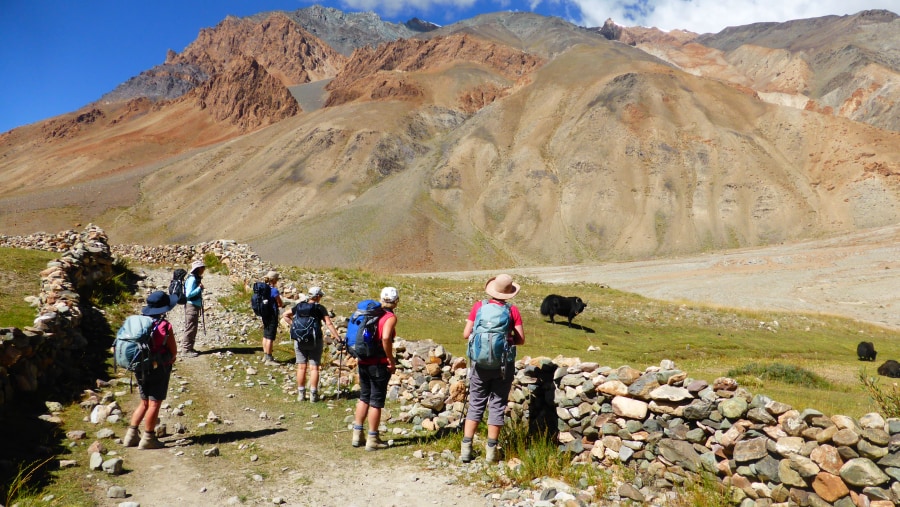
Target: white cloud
704 16
395 7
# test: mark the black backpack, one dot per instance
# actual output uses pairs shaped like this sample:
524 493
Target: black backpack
261 300
305 329
176 286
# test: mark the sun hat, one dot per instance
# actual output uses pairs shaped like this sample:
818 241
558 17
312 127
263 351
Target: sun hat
197 265
272 276
315 292
501 287
159 303
390 295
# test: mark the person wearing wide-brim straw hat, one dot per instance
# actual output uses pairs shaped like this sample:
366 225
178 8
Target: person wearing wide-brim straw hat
193 308
270 319
154 383
489 388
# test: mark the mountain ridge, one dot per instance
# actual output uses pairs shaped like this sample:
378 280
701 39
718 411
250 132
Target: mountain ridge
507 139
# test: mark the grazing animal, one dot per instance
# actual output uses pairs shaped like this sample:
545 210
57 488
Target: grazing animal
866 351
890 368
567 307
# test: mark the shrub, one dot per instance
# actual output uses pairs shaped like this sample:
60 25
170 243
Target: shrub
214 264
887 398
781 373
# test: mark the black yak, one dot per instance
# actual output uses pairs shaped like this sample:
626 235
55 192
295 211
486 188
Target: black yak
567 307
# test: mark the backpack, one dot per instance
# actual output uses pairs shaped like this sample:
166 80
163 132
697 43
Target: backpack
261 300
133 345
488 346
362 329
305 329
176 286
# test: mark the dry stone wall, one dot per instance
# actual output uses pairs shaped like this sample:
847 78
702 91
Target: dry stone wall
668 427
48 351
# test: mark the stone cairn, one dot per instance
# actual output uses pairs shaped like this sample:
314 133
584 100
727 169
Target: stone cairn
45 353
667 427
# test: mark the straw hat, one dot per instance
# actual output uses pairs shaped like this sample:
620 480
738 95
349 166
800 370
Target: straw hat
501 287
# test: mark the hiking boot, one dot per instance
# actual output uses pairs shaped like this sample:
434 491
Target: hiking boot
132 437
356 439
374 443
314 396
301 395
491 454
189 354
149 441
465 452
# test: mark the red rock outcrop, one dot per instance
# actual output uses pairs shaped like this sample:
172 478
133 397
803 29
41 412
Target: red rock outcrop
285 49
370 70
246 95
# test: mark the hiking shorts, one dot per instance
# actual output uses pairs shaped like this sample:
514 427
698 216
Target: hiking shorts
373 382
270 327
155 384
489 389
313 356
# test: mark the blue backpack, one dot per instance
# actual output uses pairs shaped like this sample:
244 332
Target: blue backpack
132 348
488 346
362 330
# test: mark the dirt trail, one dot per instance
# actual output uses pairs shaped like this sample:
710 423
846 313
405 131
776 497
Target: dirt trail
288 465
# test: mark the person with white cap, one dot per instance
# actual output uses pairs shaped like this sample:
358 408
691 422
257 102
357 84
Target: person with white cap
193 292
270 319
312 308
153 384
375 373
489 388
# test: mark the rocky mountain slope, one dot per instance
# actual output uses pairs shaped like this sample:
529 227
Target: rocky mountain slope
507 139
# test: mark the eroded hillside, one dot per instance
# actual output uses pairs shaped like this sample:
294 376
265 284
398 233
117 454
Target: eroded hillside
503 140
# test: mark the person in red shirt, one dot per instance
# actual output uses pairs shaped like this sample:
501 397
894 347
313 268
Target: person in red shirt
154 383
489 388
374 375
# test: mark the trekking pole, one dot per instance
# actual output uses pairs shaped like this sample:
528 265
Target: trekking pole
340 366
203 315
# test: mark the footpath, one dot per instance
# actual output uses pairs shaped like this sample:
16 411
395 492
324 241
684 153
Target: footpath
243 445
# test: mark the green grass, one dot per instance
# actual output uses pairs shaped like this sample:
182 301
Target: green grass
214 264
19 278
627 329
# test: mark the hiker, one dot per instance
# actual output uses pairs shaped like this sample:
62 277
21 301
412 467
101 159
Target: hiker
313 356
154 383
270 319
374 374
193 309
489 388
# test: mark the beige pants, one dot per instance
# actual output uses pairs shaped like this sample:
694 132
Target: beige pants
191 321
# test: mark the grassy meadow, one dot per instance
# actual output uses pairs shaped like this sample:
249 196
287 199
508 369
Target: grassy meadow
805 360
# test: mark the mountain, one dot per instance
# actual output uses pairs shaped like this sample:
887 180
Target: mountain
506 139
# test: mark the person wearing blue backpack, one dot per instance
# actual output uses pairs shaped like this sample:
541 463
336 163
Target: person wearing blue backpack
375 372
493 329
154 383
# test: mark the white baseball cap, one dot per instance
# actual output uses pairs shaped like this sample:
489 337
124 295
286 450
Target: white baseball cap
389 295
315 292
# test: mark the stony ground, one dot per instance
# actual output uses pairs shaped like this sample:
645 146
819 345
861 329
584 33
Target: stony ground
300 470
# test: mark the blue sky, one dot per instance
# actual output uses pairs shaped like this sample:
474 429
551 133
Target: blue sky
59 55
